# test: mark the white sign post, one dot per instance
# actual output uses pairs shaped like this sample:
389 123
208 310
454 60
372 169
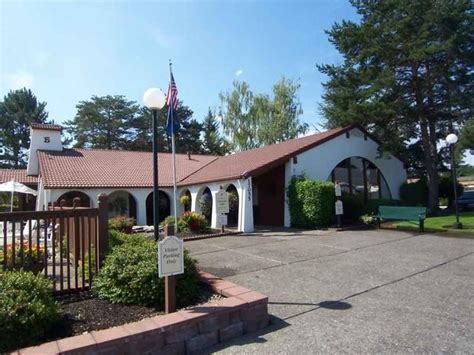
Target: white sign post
170 257
339 208
337 189
222 202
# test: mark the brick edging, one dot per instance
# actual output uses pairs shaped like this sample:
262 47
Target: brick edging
185 331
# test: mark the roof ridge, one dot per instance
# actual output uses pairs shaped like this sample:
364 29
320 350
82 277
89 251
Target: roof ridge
202 167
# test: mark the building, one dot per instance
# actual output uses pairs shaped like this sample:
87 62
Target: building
257 178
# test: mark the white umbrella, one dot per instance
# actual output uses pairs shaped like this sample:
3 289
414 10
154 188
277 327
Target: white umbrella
13 186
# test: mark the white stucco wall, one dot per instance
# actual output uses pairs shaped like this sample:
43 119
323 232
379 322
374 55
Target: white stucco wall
140 195
317 163
42 139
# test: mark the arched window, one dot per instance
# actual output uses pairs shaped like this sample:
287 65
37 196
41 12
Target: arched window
357 175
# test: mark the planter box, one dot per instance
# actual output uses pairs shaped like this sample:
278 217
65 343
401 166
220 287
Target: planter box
185 331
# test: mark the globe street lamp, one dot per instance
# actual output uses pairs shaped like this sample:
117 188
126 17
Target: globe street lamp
452 139
154 99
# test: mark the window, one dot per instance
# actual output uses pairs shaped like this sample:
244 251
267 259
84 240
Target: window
360 176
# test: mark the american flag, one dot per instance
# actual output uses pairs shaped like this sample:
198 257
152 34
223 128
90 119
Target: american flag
172 97
172 102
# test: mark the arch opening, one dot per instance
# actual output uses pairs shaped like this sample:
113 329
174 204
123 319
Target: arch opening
233 216
359 176
68 197
185 200
164 207
204 202
122 203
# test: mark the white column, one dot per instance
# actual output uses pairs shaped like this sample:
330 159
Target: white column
214 190
194 199
245 223
140 197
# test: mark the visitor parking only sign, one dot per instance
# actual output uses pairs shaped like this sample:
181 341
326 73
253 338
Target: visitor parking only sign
170 257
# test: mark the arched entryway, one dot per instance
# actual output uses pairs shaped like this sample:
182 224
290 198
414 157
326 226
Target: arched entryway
359 176
204 203
122 203
233 216
164 207
68 197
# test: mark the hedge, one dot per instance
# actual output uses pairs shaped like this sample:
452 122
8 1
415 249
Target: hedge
27 309
311 202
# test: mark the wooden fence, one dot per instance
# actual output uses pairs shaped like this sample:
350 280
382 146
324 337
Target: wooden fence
67 245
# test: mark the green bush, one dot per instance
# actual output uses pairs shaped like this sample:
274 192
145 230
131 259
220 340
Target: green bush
354 206
117 238
170 222
311 202
27 309
122 224
33 258
193 222
446 189
130 276
414 194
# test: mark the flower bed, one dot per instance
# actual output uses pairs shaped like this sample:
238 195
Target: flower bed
189 330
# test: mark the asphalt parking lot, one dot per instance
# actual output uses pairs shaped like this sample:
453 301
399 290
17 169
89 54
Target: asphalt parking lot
351 292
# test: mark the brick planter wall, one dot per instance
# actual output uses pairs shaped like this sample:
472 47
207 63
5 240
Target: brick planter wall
183 332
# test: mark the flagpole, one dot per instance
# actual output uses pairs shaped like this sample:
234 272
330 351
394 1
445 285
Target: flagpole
173 150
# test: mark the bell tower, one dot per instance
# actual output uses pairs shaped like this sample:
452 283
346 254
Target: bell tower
42 137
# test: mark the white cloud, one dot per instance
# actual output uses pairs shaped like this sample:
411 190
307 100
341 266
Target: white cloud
19 79
239 72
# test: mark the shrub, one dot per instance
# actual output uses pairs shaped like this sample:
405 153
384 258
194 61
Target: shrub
33 260
446 189
185 200
414 194
117 238
27 309
205 202
354 206
130 276
311 202
122 223
170 222
193 222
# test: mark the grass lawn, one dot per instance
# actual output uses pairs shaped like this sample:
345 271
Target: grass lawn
442 224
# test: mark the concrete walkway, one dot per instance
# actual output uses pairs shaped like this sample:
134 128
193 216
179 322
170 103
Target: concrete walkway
351 292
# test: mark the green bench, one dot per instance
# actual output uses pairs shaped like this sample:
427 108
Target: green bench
401 213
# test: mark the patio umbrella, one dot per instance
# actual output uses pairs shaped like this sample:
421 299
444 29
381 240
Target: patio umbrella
13 186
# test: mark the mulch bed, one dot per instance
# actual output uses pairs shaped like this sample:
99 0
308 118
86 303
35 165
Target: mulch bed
85 313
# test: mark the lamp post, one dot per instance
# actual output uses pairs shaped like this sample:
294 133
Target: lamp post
154 99
452 140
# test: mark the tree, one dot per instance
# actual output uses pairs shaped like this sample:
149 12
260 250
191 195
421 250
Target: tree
279 117
237 119
466 138
213 143
253 120
103 122
406 75
18 110
187 136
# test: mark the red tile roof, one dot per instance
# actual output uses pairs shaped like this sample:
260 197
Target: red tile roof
113 168
75 168
255 161
50 127
18 175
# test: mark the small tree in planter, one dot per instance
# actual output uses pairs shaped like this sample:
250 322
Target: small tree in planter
205 203
185 201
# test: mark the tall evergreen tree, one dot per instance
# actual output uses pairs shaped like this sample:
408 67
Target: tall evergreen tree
406 75
18 110
103 122
213 143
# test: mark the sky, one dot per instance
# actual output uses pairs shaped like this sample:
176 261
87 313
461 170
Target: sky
68 51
